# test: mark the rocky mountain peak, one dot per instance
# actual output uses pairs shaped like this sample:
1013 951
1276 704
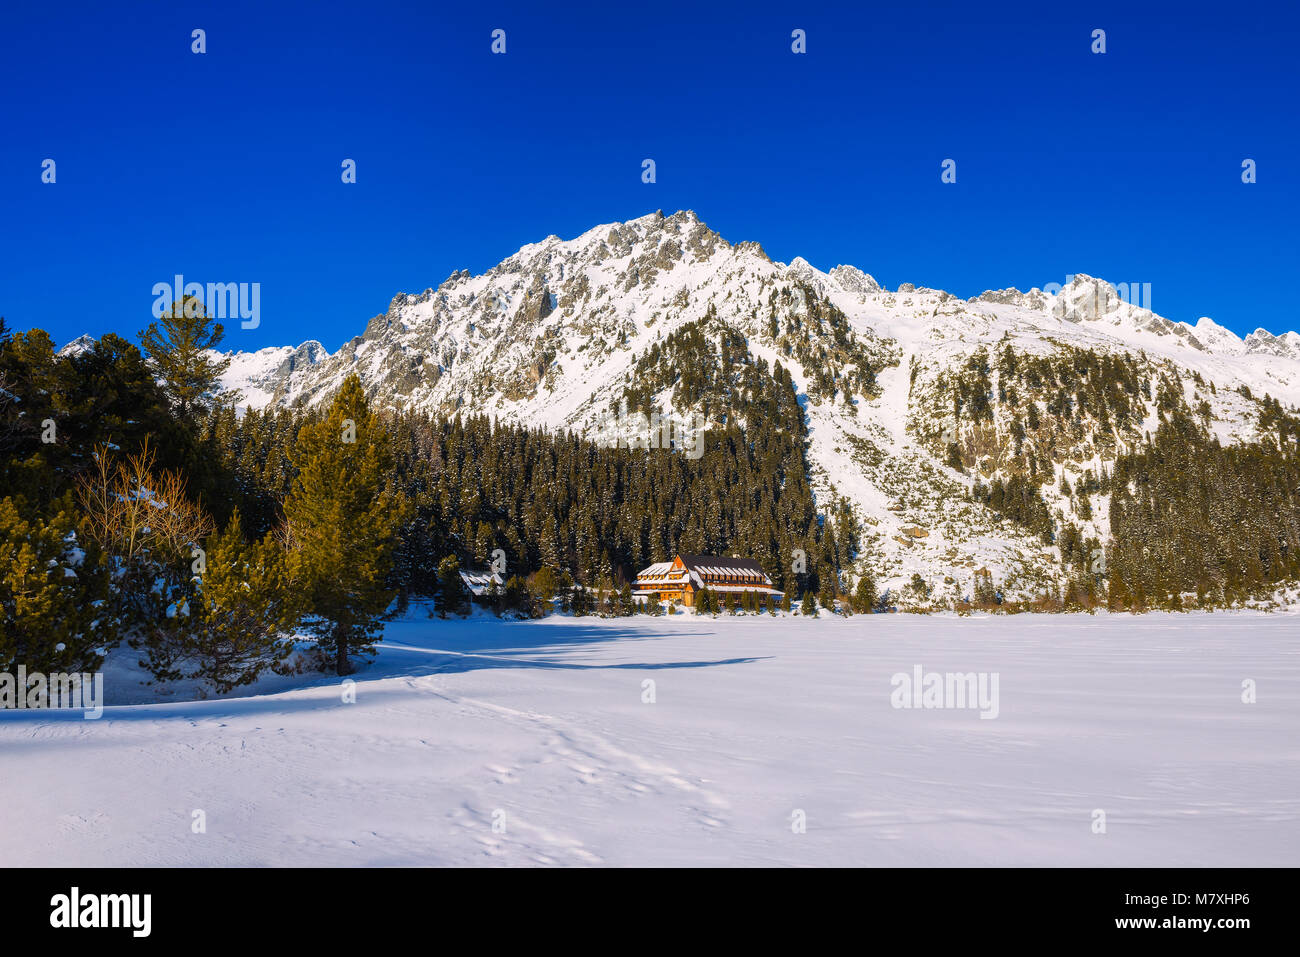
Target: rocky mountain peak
853 279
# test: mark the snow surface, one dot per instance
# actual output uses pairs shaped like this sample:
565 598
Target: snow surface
753 719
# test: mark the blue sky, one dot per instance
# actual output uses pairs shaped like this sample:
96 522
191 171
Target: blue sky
226 166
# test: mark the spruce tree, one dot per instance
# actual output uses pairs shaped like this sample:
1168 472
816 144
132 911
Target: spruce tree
343 517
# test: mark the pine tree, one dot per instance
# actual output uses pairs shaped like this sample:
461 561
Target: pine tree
1137 598
809 605
177 345
49 596
566 589
453 596
581 603
546 584
1072 598
494 596
519 598
826 594
343 518
246 609
864 596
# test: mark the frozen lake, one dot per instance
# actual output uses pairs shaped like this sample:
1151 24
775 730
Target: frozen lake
481 742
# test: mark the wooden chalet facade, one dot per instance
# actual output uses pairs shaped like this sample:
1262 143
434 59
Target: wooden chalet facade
684 577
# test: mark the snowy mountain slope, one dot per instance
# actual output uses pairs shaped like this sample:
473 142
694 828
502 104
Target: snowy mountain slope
556 333
258 375
77 346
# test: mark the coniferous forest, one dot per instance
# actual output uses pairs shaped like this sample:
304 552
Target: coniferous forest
139 508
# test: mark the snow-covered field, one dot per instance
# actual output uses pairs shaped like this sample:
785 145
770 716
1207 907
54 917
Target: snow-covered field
541 728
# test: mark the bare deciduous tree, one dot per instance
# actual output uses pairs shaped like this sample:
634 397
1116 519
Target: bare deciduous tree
131 510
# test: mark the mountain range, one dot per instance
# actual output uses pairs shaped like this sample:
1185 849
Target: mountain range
563 331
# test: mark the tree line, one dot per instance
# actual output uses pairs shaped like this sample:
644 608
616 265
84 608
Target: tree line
140 509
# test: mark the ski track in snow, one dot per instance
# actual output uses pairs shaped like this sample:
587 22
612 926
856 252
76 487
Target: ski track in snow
541 726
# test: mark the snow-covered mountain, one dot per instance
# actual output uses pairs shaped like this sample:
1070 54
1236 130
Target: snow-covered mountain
562 329
77 346
268 374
